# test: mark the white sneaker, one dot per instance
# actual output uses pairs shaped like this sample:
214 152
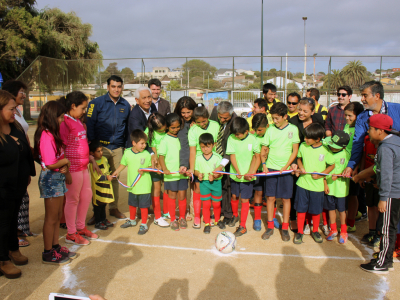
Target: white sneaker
325 230
161 222
307 229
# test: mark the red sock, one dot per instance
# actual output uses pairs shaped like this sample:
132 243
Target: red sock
270 224
315 220
285 226
244 213
157 207
217 210
132 212
165 203
274 212
350 222
196 207
325 216
300 222
206 211
145 213
171 206
333 227
182 209
235 207
308 218
257 211
397 241
343 228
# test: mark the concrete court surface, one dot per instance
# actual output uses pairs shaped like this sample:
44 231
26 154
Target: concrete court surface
164 264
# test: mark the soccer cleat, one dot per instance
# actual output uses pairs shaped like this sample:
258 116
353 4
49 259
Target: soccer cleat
331 235
343 238
267 234
143 229
285 235
362 218
257 225
207 229
358 216
196 226
87 233
317 237
129 223
351 229
221 224
54 258
101 226
367 238
161 222
182 224
298 238
325 230
375 242
174 225
276 223
307 229
76 239
233 221
166 216
374 268
240 231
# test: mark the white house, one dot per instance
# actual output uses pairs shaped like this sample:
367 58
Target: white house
279 82
224 73
160 72
245 72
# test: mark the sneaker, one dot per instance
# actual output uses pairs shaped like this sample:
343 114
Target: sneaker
343 238
174 225
108 223
54 258
276 223
64 251
331 235
298 238
101 226
257 225
207 229
182 224
374 268
351 229
367 238
166 216
325 230
76 239
375 242
129 223
285 235
233 221
161 222
221 224
88 234
143 229
396 253
389 266
316 236
212 221
196 226
358 216
267 234
362 218
307 229
240 231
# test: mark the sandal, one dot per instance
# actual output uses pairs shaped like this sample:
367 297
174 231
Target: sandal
23 243
188 217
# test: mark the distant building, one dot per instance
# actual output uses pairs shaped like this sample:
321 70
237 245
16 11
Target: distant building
160 72
244 72
224 73
388 81
396 70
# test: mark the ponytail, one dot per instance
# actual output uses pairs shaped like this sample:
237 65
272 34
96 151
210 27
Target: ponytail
155 122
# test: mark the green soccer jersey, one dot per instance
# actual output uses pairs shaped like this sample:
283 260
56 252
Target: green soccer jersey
340 187
280 143
170 147
134 161
207 166
314 160
259 141
195 131
350 131
157 137
244 151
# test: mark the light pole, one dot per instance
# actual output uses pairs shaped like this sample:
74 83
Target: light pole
315 54
262 42
305 54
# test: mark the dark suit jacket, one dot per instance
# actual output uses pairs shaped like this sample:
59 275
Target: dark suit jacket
163 107
227 131
316 118
137 120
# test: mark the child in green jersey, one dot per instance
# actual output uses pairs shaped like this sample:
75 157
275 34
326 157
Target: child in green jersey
176 184
136 158
337 188
281 144
312 157
210 183
351 111
260 125
156 132
244 151
203 125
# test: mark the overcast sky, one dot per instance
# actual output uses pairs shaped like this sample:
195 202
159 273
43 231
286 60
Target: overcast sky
139 28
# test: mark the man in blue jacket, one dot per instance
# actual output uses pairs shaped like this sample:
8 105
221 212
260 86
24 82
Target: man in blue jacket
372 99
107 121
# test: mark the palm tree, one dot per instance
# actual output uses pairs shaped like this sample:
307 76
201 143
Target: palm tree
354 74
335 81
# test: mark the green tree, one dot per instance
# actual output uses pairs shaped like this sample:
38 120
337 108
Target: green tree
354 74
198 68
292 87
173 85
395 74
127 74
333 81
212 84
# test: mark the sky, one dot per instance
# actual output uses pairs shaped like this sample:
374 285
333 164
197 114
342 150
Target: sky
193 28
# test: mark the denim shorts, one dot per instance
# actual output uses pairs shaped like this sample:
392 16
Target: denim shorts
51 184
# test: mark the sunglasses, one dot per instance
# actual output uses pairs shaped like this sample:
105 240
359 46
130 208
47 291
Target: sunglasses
292 103
342 94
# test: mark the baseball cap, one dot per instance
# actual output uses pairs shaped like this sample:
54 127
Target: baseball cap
339 140
381 121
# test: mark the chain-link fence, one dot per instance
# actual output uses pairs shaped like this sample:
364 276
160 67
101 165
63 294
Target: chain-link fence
212 79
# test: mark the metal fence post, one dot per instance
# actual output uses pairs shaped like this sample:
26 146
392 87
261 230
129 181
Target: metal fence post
40 96
380 71
329 82
187 83
233 73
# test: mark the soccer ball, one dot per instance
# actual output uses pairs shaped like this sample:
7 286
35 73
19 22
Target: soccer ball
225 242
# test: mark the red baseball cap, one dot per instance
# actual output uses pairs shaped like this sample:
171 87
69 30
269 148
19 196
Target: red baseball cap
381 121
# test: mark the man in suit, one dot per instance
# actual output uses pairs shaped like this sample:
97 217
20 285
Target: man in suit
161 104
224 114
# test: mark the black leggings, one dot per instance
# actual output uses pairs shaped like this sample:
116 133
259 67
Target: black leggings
99 211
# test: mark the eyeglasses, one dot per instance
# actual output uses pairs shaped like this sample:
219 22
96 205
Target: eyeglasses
21 92
292 103
342 94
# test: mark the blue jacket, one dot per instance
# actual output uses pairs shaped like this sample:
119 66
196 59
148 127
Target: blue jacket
108 121
361 129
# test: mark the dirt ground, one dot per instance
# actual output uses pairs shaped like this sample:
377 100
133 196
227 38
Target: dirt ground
164 264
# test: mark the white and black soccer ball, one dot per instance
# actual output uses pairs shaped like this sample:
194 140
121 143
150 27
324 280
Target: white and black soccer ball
225 242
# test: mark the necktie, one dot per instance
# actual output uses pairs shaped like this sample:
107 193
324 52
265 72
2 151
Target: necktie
219 140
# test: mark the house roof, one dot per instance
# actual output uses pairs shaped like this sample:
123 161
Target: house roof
222 71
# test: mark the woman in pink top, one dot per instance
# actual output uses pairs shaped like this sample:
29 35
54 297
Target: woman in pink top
79 192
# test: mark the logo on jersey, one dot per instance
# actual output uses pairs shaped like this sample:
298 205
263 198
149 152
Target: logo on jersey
142 160
290 134
250 147
342 161
321 157
215 166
